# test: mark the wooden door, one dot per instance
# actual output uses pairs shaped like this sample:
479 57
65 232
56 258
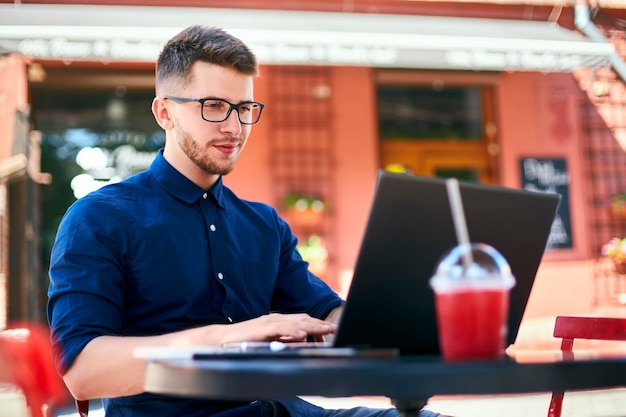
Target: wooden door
437 129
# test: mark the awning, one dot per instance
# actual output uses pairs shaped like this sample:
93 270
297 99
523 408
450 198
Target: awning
136 33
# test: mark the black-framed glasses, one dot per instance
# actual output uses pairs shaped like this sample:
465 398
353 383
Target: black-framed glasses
217 110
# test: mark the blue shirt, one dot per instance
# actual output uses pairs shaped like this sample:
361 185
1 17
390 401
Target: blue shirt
155 254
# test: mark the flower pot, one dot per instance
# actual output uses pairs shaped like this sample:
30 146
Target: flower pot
618 211
620 265
304 218
617 206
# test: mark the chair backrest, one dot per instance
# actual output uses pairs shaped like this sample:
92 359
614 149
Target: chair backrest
569 328
27 359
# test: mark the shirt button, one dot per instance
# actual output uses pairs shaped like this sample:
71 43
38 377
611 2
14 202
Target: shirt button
212 227
205 195
229 319
220 275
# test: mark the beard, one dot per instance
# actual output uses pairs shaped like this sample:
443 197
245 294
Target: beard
200 157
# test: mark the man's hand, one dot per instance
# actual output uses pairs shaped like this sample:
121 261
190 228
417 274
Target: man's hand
282 327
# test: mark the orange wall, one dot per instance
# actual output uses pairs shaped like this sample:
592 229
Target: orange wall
356 161
538 116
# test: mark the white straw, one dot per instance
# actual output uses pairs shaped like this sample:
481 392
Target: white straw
458 215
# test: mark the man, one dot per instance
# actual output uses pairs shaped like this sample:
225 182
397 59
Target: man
172 257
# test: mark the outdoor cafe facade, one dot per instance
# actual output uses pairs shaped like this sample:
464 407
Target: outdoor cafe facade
512 100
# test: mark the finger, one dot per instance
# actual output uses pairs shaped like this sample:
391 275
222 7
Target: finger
319 338
324 328
291 339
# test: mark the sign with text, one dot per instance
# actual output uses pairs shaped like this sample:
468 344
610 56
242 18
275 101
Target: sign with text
286 50
549 175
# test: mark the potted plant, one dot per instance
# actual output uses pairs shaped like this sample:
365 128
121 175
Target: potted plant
617 205
615 249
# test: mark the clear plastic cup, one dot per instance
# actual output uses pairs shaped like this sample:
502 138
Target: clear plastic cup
472 302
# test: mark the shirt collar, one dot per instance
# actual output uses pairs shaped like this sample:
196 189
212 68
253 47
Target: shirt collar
180 186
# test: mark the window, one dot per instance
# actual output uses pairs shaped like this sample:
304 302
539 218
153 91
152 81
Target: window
417 113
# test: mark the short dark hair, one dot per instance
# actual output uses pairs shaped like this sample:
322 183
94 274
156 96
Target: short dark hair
206 44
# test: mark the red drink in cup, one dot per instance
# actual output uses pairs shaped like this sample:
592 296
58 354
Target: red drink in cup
472 303
472 323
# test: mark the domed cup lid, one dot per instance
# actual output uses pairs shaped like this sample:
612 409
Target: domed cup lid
474 265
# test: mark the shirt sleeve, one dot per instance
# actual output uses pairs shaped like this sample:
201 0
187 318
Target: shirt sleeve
298 289
85 296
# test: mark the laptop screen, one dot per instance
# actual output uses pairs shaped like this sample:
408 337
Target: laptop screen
390 303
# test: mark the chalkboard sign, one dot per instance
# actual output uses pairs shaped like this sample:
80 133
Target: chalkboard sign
549 175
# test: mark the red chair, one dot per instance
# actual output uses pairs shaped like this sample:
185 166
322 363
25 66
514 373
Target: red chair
591 328
27 362
82 406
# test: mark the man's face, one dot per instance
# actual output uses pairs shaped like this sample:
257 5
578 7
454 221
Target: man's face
213 147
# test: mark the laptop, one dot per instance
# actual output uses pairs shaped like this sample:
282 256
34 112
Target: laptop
390 305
